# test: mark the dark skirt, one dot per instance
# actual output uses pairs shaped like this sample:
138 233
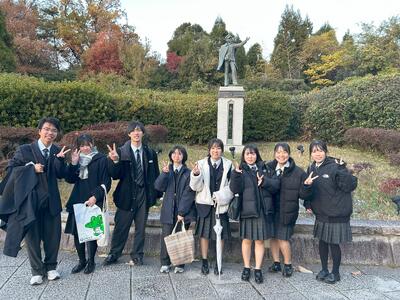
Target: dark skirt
333 233
204 226
254 229
281 231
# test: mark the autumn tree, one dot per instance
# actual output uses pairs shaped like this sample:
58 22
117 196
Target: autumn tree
7 58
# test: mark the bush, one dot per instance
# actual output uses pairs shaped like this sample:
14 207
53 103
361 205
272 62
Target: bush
12 137
156 134
118 125
390 186
394 159
382 140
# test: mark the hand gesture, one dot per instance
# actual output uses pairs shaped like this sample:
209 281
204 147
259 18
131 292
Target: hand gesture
310 179
259 179
75 156
113 154
91 201
39 168
165 168
196 169
62 153
237 167
339 162
180 218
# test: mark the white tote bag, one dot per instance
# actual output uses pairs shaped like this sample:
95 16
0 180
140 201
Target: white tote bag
106 237
89 222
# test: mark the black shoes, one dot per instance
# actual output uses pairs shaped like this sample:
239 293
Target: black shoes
110 259
246 274
322 275
216 269
137 261
332 278
275 267
287 270
258 276
89 267
79 267
204 267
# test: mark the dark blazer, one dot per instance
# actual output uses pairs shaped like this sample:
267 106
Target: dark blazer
183 199
125 170
55 169
292 188
98 175
256 200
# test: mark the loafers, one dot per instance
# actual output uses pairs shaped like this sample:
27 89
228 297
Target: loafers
204 267
136 261
79 267
332 278
110 259
287 271
322 275
275 267
246 274
89 267
258 276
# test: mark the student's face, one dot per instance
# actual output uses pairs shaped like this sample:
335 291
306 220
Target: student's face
281 156
136 135
48 133
318 155
250 156
215 152
86 149
177 157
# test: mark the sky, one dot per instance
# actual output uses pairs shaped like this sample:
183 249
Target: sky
156 20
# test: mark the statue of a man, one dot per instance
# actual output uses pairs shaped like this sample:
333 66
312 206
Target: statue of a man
227 58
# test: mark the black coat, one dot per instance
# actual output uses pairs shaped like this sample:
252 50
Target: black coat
255 199
125 170
176 203
55 169
292 188
98 175
331 199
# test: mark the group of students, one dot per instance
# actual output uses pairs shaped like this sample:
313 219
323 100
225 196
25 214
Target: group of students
269 195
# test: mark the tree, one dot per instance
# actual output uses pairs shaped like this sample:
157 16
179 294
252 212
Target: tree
324 28
184 36
254 55
173 62
7 58
218 33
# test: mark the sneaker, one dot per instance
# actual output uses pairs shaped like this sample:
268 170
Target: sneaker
36 280
164 269
179 270
53 275
136 261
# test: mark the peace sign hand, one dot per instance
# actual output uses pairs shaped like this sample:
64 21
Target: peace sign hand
165 168
75 157
62 153
259 179
339 162
237 167
113 154
310 179
196 170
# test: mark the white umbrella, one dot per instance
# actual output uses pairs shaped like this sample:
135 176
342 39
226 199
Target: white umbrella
218 230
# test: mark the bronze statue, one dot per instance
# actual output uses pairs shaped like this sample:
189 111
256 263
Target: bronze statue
227 58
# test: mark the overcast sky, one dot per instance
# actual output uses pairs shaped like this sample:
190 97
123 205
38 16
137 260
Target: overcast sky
156 20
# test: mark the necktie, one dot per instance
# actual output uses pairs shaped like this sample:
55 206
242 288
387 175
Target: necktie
139 169
254 169
215 165
46 153
176 172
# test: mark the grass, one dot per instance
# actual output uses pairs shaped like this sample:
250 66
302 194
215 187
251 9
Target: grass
369 202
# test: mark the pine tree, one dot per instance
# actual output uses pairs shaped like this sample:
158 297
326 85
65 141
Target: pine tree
7 58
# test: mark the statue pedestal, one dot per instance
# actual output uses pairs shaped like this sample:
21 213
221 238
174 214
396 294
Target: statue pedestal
230 117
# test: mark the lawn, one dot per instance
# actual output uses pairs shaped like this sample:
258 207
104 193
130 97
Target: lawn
369 201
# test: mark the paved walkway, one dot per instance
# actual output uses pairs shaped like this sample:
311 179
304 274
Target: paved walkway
122 281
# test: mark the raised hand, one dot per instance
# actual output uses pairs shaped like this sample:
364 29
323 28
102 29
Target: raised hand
165 168
339 161
237 167
259 179
310 179
91 201
62 153
112 153
196 169
75 156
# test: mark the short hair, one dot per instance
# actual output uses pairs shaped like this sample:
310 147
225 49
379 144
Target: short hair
217 142
251 148
84 140
182 150
319 145
135 124
53 121
284 146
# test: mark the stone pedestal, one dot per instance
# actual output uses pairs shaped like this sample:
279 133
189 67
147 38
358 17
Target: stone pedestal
230 117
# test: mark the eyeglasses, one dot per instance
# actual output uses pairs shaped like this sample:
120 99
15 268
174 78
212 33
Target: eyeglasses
50 129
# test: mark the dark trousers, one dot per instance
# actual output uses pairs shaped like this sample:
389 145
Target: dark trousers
123 221
46 228
80 249
167 230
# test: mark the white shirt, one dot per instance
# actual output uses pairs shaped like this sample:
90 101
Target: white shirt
286 165
218 162
177 168
140 148
42 147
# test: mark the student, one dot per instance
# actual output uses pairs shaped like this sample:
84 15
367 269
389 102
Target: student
47 160
255 183
178 201
87 171
286 204
210 180
331 202
136 166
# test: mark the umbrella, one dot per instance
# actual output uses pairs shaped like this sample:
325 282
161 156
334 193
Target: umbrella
218 230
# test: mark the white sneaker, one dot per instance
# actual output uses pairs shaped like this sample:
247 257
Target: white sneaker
179 270
36 280
164 269
53 275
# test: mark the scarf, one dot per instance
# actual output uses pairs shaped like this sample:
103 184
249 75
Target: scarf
84 161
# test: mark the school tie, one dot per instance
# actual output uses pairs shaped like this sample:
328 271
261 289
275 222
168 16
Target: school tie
254 168
215 166
139 169
46 154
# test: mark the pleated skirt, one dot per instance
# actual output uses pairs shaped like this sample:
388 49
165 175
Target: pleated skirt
281 231
333 233
205 226
256 228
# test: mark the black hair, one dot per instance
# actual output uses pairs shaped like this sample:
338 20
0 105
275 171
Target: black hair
319 145
135 124
251 148
182 150
53 121
284 146
84 140
215 142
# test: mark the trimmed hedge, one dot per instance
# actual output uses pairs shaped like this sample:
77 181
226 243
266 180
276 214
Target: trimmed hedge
12 137
382 140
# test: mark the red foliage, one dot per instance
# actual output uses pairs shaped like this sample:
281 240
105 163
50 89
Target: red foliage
173 62
156 133
382 140
12 137
107 125
390 186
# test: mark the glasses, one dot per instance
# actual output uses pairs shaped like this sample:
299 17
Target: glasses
52 130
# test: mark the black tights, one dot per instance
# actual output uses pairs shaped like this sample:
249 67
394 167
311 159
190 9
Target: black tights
80 248
336 255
